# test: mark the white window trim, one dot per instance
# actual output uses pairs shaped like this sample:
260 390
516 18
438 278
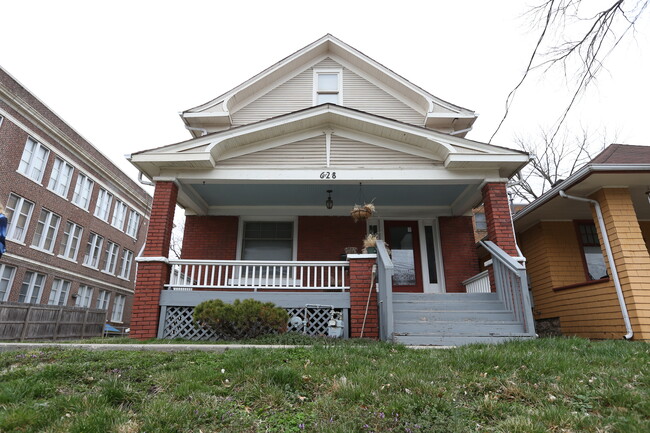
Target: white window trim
137 224
119 204
87 295
10 282
47 225
103 300
53 188
240 232
94 246
103 204
31 286
90 192
117 315
11 229
130 262
69 245
31 161
318 71
55 294
112 250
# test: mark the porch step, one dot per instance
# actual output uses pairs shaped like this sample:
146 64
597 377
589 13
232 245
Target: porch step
455 339
457 327
453 319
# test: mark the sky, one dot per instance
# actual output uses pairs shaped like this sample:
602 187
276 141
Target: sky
119 72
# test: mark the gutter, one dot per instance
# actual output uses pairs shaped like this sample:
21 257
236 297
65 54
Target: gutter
575 178
610 258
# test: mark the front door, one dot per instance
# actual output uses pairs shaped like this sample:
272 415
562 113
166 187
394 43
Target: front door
403 240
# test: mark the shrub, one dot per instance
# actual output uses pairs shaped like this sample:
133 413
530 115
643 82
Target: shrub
242 319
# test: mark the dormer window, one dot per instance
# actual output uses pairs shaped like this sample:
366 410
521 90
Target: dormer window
327 86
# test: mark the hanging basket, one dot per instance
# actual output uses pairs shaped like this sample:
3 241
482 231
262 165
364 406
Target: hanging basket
362 213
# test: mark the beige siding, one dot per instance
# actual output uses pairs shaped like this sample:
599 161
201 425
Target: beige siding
360 94
297 94
293 95
304 153
351 153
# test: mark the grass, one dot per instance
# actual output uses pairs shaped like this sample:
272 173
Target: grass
547 385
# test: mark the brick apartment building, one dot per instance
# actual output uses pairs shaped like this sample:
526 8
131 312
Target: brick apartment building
76 221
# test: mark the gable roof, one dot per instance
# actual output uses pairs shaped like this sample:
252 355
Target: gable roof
216 112
623 154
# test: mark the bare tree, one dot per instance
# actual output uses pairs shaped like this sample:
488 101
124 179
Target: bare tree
553 161
176 241
576 36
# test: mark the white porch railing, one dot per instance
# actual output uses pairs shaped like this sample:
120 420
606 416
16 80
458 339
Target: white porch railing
479 283
511 284
258 275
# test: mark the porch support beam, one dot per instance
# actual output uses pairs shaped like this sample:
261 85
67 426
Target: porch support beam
498 218
362 295
153 275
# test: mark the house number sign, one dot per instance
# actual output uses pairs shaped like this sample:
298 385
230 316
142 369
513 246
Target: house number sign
328 175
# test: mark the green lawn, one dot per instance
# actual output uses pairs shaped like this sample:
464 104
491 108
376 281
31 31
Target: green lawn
547 385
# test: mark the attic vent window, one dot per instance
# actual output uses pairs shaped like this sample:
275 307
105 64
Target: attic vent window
327 86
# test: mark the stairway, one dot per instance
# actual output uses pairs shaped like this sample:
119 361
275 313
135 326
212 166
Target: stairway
453 319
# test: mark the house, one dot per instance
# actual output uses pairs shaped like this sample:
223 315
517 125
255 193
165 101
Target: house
587 242
76 221
268 182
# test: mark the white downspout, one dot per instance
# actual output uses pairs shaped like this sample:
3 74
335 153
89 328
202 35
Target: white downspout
610 258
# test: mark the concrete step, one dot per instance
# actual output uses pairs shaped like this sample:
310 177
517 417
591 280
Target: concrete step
454 340
459 327
459 315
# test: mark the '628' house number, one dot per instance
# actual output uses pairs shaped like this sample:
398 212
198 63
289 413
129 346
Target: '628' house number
328 175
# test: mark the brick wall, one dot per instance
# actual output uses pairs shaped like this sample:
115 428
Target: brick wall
458 251
360 277
210 238
497 214
324 237
152 276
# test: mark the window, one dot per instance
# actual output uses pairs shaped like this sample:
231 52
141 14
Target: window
46 229
18 212
110 259
118 308
103 299
61 177
93 250
103 207
132 225
32 163
82 191
327 86
6 280
59 292
127 261
118 215
30 291
593 255
267 241
479 220
84 296
71 238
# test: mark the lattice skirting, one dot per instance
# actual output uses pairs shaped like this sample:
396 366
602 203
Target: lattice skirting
178 323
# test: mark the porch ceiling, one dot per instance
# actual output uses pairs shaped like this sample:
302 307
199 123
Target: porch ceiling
314 195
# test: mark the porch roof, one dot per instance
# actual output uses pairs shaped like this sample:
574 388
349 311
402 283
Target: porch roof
291 160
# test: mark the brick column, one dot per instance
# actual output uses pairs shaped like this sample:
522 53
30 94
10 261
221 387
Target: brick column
153 274
458 251
360 275
630 255
497 215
